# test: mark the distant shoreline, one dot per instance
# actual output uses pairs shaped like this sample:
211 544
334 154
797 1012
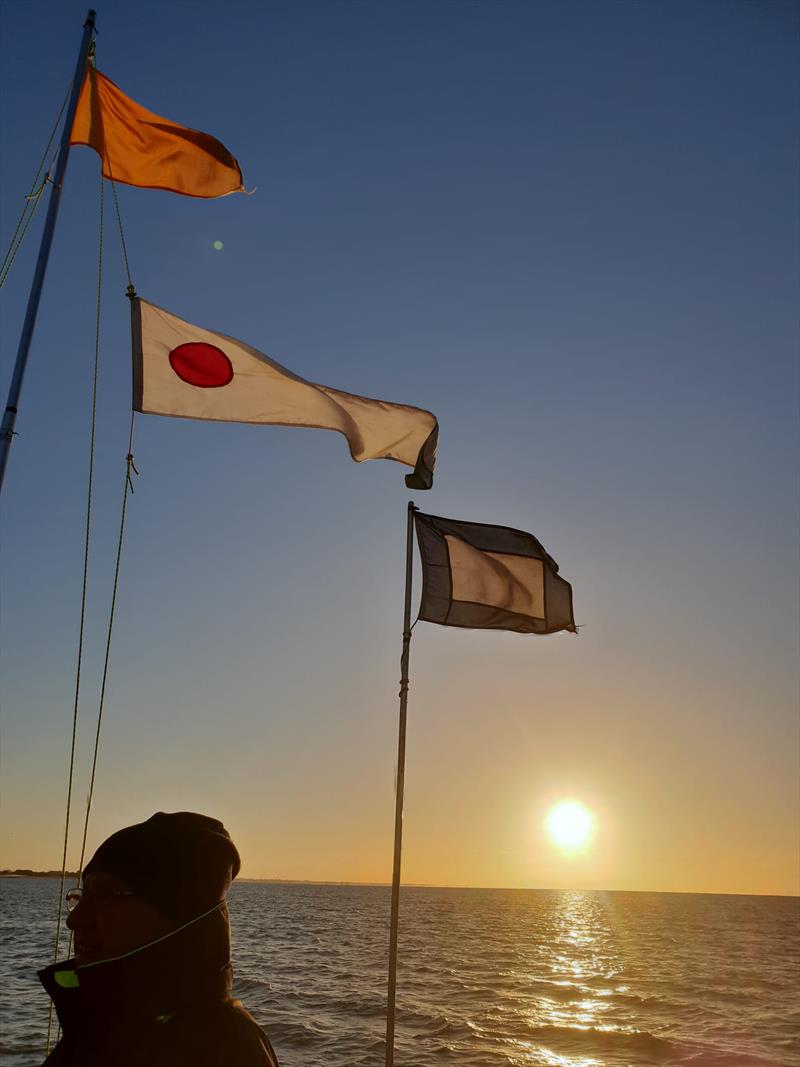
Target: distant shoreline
432 885
37 874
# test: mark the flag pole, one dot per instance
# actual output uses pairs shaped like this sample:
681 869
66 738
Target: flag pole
10 414
398 808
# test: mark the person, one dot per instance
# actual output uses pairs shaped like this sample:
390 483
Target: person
150 982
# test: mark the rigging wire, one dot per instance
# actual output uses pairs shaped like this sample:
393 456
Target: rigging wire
31 200
121 237
130 465
33 203
128 488
81 629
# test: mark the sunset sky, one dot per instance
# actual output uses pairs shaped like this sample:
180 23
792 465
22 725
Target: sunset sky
570 229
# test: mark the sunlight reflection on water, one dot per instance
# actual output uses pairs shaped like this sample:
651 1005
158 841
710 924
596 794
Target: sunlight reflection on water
554 1059
580 921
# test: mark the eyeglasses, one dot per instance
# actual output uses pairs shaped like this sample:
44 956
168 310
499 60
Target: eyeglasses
75 896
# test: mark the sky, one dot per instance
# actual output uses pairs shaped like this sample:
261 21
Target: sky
569 229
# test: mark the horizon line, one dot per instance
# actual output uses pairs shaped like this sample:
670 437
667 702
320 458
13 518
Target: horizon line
24 872
520 889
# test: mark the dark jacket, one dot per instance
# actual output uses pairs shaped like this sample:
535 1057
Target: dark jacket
168 1005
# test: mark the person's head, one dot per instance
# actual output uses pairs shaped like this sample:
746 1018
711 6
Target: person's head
150 879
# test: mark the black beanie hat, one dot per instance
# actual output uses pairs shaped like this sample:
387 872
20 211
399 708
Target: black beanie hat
178 861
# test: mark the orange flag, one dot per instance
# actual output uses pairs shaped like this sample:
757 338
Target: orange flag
139 148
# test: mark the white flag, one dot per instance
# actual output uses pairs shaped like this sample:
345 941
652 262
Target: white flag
186 371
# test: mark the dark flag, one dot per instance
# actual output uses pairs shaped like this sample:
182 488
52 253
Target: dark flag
490 578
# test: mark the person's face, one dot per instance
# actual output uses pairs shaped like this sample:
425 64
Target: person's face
110 921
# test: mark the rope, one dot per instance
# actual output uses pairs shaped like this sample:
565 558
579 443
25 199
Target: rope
31 200
128 488
121 236
130 466
57 941
11 255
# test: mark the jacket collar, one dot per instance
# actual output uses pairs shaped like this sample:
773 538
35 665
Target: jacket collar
151 984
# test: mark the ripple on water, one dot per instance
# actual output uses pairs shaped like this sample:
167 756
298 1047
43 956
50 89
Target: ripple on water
486 977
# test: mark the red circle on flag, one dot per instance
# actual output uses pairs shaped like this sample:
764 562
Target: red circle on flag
197 363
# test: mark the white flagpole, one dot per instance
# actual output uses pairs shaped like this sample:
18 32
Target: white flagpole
398 808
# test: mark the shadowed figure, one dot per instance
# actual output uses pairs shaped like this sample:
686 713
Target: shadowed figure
150 982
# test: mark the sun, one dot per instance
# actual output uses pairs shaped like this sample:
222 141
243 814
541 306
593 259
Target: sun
570 825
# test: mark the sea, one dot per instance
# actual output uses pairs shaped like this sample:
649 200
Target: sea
486 977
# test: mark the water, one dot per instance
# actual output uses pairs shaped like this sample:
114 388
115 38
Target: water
486 977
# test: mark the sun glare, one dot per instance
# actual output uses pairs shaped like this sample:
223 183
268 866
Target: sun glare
569 825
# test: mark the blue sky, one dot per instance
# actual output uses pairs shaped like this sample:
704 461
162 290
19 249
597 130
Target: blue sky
571 231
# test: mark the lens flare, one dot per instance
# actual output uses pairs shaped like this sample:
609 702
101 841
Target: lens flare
218 245
570 825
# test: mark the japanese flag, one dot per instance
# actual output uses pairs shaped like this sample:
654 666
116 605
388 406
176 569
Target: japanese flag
187 371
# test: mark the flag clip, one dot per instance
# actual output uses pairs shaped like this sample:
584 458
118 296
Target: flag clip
131 466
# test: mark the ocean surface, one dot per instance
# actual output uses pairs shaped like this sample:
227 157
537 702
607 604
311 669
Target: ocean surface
486 978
